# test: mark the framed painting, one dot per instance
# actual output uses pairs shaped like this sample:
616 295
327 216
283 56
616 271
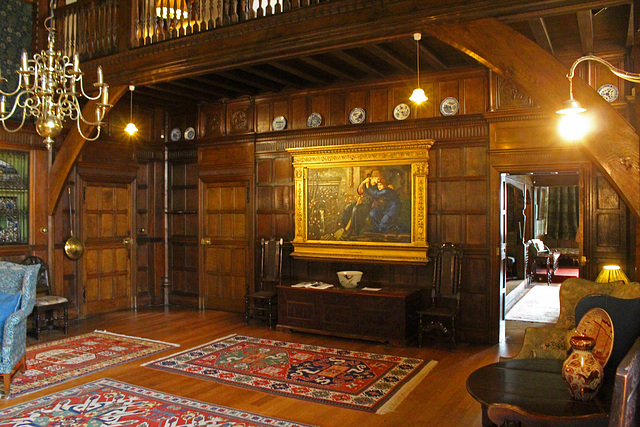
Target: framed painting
362 202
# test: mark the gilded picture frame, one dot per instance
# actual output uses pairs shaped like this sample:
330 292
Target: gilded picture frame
362 202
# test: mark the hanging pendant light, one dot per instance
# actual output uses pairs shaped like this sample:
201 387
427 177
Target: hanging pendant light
131 127
418 95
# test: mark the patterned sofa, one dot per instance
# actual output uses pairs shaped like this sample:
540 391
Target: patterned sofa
552 342
16 278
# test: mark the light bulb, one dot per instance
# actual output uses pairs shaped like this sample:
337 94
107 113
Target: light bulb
418 96
573 127
131 129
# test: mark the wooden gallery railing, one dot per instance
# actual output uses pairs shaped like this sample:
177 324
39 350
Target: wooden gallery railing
96 28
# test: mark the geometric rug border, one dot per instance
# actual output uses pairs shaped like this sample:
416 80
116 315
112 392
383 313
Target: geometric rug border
167 397
87 370
385 405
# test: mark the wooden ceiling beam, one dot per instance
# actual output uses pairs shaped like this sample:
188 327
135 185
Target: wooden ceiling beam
356 63
387 57
298 73
631 28
613 144
72 146
164 98
327 68
270 76
197 97
585 26
253 81
540 33
205 91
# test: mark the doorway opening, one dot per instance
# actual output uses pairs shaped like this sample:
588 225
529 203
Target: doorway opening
543 239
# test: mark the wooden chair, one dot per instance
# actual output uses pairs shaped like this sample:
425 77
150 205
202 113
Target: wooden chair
506 415
440 316
538 255
47 305
263 302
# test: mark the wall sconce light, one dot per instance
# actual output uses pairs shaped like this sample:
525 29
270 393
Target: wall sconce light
611 273
131 127
573 125
171 9
418 95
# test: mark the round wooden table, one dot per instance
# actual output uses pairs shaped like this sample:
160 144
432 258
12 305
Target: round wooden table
535 385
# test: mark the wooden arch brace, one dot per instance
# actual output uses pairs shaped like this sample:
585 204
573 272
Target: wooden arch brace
71 148
613 142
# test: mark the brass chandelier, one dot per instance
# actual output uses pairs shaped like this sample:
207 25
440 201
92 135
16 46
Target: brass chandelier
48 89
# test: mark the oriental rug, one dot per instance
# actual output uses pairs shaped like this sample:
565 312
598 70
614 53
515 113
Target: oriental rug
57 361
540 304
350 379
106 402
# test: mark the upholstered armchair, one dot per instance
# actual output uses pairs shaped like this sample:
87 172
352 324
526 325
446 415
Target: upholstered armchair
16 278
551 342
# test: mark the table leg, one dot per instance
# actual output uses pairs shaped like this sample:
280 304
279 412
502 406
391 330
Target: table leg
486 422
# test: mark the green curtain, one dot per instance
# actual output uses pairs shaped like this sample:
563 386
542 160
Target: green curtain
564 209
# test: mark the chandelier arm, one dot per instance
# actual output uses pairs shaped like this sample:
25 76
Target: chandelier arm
85 94
83 135
4 124
16 90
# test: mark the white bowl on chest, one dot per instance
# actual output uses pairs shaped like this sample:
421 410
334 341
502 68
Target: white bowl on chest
349 279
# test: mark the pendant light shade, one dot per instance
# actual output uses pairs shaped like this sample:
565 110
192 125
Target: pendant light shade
418 95
131 127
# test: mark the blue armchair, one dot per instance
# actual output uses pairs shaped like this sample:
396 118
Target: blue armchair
16 278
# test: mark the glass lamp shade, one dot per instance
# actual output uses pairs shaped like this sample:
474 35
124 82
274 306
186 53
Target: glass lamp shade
418 96
611 273
131 129
571 106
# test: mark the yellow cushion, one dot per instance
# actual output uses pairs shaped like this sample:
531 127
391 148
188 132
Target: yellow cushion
573 290
630 290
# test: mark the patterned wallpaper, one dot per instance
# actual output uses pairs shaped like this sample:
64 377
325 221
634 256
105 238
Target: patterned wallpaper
15 36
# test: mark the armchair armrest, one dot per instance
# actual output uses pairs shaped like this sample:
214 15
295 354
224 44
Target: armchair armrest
14 341
546 342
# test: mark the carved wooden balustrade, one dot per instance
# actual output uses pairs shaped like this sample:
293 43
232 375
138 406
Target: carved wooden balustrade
96 28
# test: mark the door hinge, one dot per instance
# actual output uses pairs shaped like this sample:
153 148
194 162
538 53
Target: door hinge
84 294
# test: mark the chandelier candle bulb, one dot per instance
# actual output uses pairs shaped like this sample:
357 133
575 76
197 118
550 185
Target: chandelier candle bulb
25 66
100 81
76 63
3 105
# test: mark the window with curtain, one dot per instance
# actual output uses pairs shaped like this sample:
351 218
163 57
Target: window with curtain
563 209
14 197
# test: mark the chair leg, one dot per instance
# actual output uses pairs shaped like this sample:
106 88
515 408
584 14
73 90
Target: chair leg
36 318
246 310
270 306
65 315
420 332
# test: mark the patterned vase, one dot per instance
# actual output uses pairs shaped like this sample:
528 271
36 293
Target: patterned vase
581 371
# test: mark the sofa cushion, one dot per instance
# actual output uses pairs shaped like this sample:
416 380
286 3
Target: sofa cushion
625 315
626 290
573 290
9 304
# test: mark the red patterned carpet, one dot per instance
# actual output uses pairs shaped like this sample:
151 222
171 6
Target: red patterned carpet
57 361
357 380
106 402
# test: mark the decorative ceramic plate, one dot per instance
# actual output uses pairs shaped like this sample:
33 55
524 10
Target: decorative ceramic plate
608 92
401 111
597 324
189 133
314 120
176 134
357 116
279 123
449 106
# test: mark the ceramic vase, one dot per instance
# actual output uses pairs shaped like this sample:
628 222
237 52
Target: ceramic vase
581 371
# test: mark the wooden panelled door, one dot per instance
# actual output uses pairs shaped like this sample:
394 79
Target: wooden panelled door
226 245
106 264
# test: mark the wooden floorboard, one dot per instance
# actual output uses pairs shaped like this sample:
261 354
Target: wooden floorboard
440 399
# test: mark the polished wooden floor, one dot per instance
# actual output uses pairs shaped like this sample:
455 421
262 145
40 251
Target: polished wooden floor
440 399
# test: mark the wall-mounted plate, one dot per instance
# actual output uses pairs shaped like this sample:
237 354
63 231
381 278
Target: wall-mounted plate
449 106
357 116
175 135
609 92
314 120
401 111
279 123
189 133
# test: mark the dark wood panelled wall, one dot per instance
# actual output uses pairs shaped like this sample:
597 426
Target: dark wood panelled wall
233 186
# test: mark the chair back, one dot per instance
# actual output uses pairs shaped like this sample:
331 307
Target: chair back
270 262
42 284
447 272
